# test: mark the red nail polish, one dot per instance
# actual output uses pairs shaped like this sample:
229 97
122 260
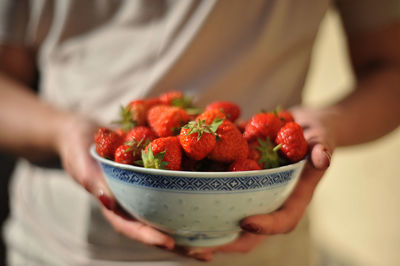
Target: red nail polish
251 228
106 201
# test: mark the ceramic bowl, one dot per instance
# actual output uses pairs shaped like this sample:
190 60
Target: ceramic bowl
198 208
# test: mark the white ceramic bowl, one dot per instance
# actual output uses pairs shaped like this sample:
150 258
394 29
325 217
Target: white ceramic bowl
198 208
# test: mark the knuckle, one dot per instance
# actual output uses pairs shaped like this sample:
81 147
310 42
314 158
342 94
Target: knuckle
290 228
86 183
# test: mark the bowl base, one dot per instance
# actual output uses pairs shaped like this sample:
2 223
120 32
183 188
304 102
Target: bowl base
201 240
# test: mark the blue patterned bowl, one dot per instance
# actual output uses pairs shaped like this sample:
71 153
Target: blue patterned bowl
198 208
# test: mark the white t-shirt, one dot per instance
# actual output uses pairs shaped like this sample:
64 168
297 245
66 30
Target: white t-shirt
95 55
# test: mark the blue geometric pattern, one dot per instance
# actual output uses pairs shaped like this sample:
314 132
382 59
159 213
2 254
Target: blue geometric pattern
197 183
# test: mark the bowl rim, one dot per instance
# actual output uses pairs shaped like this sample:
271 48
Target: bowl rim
93 153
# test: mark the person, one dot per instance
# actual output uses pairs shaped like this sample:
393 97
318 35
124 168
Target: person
92 56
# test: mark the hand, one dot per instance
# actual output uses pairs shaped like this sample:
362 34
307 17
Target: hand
321 144
243 244
257 227
73 141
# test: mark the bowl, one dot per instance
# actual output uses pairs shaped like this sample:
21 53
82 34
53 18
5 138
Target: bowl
200 209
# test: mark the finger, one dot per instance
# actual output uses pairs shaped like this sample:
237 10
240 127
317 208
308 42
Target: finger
320 156
202 254
138 231
285 219
319 149
245 243
91 178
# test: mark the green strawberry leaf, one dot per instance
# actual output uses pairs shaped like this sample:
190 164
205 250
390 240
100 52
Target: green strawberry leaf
194 110
183 102
269 154
153 161
125 121
216 123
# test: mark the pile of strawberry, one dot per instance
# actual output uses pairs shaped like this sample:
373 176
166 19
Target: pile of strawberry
169 133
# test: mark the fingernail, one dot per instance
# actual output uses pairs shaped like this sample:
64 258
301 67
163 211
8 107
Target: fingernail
251 228
328 155
165 247
106 201
169 245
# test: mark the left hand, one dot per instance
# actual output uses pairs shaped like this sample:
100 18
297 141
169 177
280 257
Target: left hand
284 220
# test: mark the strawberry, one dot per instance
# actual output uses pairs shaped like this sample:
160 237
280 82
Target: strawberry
285 116
163 153
135 113
107 141
169 97
138 138
209 116
167 120
231 145
231 110
120 132
244 165
138 112
294 146
140 133
126 155
241 125
153 102
254 151
198 139
265 153
262 125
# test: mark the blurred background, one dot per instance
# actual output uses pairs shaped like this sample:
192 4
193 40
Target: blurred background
355 213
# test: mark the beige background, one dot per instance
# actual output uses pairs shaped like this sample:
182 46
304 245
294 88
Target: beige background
355 213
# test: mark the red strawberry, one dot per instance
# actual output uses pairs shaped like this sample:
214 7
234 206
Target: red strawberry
163 153
285 116
138 138
168 97
254 151
244 165
107 141
231 110
294 145
135 113
241 125
167 120
138 111
265 153
140 133
262 125
231 145
209 116
126 155
153 102
121 132
198 139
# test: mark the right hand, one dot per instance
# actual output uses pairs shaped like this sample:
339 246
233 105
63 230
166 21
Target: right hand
73 142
